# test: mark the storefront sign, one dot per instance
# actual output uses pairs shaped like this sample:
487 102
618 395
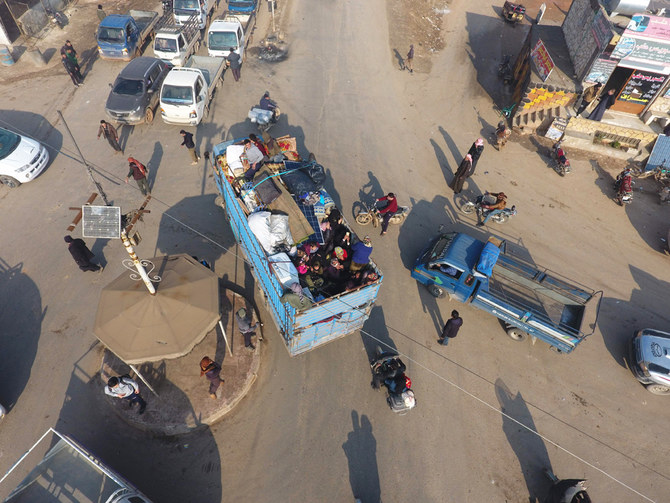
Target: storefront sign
642 87
645 44
542 60
649 27
601 70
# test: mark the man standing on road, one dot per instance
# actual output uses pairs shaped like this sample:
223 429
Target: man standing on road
70 69
71 54
462 173
245 327
110 134
101 13
410 59
190 146
212 371
235 63
126 388
450 330
139 173
81 254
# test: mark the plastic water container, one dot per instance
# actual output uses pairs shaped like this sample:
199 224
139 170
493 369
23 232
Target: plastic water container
6 56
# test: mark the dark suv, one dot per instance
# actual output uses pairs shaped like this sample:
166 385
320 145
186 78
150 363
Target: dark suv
136 91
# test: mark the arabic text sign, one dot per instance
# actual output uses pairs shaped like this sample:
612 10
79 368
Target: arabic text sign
542 60
641 87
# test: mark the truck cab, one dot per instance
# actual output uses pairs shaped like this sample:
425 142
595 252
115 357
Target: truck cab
184 9
183 97
230 31
118 37
650 360
175 43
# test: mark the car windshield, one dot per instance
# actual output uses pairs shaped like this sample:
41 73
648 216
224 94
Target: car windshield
222 40
186 4
177 95
8 142
110 34
128 87
165 45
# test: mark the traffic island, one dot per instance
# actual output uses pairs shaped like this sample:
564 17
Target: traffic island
181 402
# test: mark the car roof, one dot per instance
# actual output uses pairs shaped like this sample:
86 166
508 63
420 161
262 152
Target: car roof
138 67
182 76
115 21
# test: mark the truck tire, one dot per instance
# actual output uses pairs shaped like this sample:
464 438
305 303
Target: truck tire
10 182
516 333
658 389
436 291
148 115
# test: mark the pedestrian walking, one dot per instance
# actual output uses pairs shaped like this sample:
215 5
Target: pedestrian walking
462 173
139 173
126 388
361 252
605 102
212 371
502 134
110 134
589 94
243 320
235 63
70 69
71 54
410 59
475 152
81 254
190 146
451 328
101 13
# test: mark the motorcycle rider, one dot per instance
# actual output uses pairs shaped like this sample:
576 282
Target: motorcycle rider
267 104
624 184
388 211
492 203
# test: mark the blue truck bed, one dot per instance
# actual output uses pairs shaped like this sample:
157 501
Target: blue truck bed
529 299
303 330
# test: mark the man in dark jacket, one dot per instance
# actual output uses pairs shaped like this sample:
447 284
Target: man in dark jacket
361 252
450 330
462 173
235 63
81 254
188 143
246 328
475 152
70 69
139 174
110 134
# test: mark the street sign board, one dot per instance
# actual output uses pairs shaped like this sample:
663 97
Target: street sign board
101 222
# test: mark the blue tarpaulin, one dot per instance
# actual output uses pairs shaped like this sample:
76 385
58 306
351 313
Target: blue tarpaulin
488 259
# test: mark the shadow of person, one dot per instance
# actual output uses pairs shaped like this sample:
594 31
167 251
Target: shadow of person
455 152
382 341
446 169
488 131
371 191
521 434
154 163
361 451
399 58
97 248
124 133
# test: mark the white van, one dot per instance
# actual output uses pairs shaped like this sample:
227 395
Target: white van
22 159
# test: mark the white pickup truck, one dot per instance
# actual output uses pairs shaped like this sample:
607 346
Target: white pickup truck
232 30
187 92
174 43
203 9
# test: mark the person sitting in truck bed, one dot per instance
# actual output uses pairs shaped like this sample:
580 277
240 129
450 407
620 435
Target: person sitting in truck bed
255 158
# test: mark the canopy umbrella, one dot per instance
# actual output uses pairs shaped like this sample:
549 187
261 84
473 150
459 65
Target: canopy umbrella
139 327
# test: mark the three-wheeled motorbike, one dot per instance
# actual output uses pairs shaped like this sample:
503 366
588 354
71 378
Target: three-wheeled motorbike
513 13
388 370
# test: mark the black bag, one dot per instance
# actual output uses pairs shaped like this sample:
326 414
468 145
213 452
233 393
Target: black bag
266 189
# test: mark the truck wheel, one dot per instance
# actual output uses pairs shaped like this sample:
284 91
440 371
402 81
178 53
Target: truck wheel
517 334
220 202
658 389
468 207
148 115
363 218
10 182
436 291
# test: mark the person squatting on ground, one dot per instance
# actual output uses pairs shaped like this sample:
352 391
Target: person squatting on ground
451 328
126 388
245 327
81 254
387 211
110 134
190 146
212 371
139 173
493 203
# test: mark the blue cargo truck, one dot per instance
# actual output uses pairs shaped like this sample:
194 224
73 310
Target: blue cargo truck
302 329
121 36
530 300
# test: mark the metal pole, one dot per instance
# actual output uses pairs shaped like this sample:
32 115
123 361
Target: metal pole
136 262
230 350
143 379
88 167
272 6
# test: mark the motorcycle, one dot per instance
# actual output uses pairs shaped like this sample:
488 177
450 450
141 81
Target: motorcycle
624 188
505 71
372 214
567 491
389 370
513 13
500 218
561 163
57 18
264 119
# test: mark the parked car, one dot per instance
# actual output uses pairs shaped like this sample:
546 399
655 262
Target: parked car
649 351
136 91
21 158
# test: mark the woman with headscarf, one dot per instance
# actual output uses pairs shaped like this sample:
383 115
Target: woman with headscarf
475 152
462 173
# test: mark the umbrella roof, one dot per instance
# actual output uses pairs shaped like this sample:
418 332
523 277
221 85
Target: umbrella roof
140 327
